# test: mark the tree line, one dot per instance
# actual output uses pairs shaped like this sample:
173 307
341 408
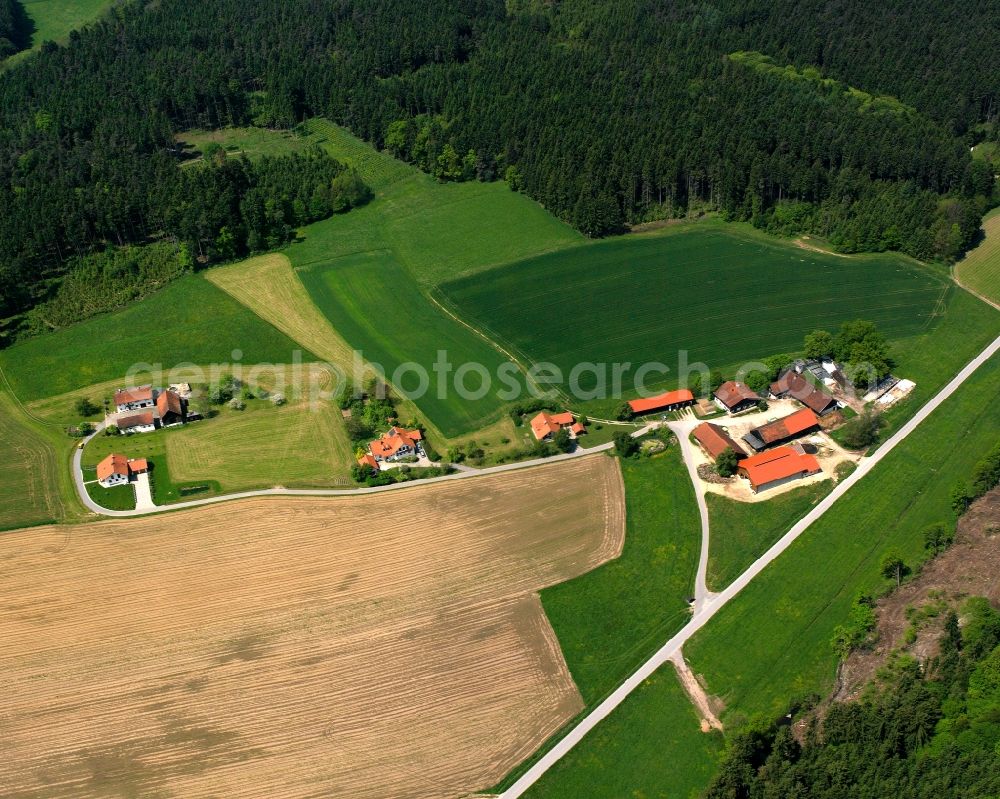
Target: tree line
922 730
608 114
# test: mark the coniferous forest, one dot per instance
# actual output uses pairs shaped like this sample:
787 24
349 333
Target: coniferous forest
852 121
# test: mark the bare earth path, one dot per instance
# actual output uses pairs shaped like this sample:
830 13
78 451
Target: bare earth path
716 603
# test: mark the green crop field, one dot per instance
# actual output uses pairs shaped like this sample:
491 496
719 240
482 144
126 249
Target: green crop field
743 531
378 308
189 321
651 741
772 643
980 269
610 620
54 19
722 295
29 472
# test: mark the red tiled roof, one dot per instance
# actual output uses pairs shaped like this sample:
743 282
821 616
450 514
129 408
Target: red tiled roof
732 393
578 428
715 440
112 465
796 386
168 402
546 424
782 429
661 401
135 420
368 460
138 465
126 396
393 441
777 464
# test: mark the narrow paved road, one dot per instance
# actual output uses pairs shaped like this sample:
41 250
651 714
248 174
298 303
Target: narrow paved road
462 474
682 429
716 603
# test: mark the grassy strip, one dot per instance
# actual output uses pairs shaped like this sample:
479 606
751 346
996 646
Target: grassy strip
650 741
610 619
743 531
980 269
782 623
29 470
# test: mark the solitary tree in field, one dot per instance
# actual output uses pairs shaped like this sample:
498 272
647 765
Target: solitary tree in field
624 412
86 407
727 462
893 567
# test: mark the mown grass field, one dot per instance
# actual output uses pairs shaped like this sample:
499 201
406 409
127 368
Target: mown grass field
609 620
722 295
742 531
980 269
375 304
117 498
651 741
190 321
772 643
29 472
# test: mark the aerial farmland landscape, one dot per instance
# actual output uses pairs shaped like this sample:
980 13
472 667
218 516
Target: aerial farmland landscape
537 398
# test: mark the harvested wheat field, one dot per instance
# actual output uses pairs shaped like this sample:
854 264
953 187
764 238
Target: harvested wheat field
383 646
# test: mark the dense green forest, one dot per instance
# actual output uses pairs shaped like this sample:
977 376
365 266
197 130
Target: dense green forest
850 120
923 731
15 28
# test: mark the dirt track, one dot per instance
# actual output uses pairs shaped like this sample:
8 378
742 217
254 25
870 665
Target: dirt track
385 646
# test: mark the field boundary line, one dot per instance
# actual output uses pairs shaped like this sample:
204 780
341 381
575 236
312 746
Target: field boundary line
716 603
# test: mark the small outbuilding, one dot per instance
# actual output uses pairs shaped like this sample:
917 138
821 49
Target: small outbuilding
133 399
137 423
170 408
782 430
736 397
715 440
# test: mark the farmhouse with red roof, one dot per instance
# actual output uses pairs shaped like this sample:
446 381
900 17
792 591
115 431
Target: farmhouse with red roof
792 384
117 470
397 443
776 467
546 425
133 399
669 401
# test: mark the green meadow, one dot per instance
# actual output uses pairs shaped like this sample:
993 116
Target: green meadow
190 321
651 741
30 467
980 269
771 644
743 531
608 621
54 19
724 295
